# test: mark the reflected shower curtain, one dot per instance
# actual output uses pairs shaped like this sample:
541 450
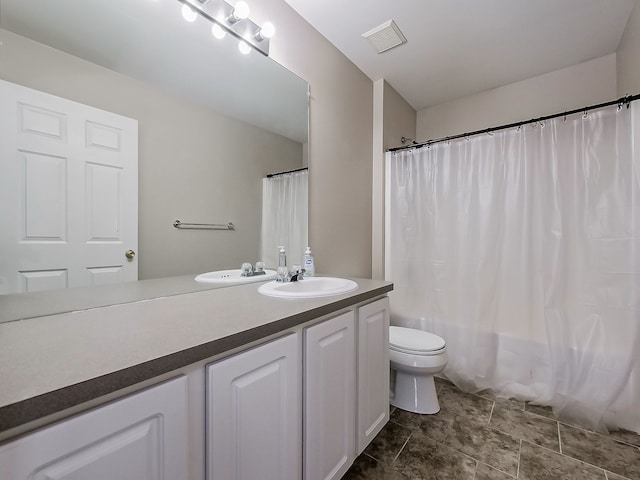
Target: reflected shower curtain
284 217
522 250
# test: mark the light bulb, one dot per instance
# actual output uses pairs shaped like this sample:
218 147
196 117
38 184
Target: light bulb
241 10
189 13
267 30
217 31
244 48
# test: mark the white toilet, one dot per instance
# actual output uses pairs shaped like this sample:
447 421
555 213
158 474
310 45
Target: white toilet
415 356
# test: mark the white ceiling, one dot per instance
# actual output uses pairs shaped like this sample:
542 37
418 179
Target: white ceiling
461 47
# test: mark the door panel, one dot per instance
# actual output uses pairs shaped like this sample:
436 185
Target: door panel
329 447
68 192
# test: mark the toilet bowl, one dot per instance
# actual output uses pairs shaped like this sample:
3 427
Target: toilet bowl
415 357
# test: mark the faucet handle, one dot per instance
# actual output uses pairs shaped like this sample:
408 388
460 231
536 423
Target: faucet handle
246 270
282 274
295 273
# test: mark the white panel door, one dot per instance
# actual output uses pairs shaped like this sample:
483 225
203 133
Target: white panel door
329 392
254 422
373 370
68 193
141 437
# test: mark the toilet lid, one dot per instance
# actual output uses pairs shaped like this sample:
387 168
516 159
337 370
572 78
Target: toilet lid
410 340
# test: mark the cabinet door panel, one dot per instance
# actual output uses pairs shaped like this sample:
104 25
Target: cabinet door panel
253 414
330 398
140 437
373 370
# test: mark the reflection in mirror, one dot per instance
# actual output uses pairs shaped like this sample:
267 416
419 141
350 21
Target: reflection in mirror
206 124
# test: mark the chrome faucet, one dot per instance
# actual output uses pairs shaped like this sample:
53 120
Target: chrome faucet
290 275
248 271
296 273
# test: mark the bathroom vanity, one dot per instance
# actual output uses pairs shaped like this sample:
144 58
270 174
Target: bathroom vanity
218 384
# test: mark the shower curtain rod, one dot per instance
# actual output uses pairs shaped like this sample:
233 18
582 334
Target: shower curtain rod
626 100
288 171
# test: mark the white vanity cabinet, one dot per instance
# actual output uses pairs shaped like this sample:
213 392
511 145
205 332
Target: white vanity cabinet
373 371
140 437
254 419
346 388
329 391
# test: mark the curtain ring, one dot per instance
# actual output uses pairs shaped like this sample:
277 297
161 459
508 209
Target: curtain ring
585 115
564 118
542 124
519 128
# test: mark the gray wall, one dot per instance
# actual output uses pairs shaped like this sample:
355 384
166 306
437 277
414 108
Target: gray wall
195 165
572 87
399 118
394 118
628 66
340 143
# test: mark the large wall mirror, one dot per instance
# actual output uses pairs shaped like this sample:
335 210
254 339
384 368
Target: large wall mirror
211 122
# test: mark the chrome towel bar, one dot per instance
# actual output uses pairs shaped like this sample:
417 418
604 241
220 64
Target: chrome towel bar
205 226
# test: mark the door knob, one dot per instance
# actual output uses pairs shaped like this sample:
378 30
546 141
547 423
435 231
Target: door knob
129 254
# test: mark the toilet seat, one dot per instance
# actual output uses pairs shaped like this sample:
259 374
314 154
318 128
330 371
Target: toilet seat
415 342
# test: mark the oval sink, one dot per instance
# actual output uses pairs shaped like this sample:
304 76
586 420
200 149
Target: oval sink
233 276
309 287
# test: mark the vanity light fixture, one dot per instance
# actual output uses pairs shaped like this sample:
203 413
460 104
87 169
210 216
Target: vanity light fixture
267 31
217 31
244 48
189 14
240 12
232 19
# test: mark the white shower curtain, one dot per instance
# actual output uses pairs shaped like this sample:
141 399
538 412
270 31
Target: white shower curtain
284 217
522 250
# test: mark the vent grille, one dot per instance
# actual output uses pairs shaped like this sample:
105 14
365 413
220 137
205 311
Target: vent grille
385 37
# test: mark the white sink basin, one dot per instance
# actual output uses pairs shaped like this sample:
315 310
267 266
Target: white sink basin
233 276
309 287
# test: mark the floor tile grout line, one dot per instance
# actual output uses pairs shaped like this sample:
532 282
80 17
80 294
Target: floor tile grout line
573 458
480 462
583 429
491 413
583 461
402 448
521 442
559 438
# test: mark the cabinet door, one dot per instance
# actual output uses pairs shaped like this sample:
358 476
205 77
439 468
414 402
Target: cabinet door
329 398
253 414
141 437
373 370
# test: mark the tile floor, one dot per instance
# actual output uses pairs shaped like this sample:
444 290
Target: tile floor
478 437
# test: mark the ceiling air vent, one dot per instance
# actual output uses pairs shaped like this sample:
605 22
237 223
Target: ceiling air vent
386 36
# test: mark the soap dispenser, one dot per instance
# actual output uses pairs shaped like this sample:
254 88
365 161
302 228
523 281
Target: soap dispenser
282 272
309 268
282 256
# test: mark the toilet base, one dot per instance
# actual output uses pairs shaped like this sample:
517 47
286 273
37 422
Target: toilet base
415 393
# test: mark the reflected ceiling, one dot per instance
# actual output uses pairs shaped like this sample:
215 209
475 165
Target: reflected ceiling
155 44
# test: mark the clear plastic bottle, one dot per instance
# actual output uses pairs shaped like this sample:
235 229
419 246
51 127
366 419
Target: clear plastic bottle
282 273
309 267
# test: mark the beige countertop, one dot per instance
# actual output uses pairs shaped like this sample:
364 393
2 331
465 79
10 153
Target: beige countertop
51 363
20 305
